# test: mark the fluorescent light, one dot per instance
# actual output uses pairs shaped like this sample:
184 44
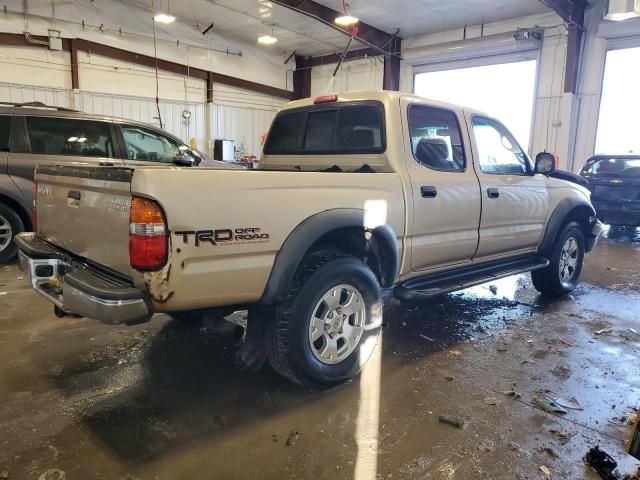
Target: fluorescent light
164 18
72 139
82 139
346 20
267 40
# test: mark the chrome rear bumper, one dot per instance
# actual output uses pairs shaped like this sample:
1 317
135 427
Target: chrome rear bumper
77 288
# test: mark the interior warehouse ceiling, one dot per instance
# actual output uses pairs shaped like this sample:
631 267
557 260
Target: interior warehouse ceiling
240 21
418 17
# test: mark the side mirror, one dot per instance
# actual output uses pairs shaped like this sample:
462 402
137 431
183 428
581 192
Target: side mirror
545 163
184 160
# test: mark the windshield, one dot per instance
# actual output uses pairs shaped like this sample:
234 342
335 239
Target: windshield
624 167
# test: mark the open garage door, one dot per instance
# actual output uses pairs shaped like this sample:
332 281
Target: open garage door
617 124
506 90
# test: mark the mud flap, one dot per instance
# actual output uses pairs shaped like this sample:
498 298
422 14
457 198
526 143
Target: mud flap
260 329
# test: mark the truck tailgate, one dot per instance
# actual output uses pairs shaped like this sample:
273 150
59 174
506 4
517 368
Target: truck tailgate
85 210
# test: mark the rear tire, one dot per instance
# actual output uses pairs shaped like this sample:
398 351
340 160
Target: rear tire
327 327
10 225
565 264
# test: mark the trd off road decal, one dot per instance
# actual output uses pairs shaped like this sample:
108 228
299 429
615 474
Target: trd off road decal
223 236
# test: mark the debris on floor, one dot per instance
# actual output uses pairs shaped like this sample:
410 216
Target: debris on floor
548 404
453 421
293 437
562 435
602 463
571 403
510 393
53 474
603 330
544 469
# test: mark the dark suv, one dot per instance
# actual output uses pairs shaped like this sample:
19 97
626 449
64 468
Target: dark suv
614 181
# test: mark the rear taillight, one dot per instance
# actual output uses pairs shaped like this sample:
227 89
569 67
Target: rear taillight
147 235
34 191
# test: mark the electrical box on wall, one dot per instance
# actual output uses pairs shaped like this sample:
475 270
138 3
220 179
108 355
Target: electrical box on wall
55 40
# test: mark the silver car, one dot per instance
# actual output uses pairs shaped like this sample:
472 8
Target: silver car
33 133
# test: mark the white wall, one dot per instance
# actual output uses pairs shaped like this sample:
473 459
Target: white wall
256 64
35 66
361 74
117 88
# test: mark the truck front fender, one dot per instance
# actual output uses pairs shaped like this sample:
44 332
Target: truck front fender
381 241
568 209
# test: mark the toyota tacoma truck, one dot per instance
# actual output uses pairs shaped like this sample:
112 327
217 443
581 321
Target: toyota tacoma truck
356 193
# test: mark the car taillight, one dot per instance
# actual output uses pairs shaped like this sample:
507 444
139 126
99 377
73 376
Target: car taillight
147 235
34 191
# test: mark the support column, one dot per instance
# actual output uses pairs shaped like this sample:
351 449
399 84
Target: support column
301 79
391 79
75 76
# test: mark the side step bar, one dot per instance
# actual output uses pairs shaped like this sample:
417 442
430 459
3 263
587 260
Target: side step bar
451 281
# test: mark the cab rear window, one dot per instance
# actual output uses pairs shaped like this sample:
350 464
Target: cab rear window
331 129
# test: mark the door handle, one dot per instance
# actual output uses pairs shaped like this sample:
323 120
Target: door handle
429 192
493 192
74 194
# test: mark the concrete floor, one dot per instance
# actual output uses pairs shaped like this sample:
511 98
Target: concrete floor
168 400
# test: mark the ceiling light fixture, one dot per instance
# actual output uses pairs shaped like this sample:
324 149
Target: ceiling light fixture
164 18
267 40
346 20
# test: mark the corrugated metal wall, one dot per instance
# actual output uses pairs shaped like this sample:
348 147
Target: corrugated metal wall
235 114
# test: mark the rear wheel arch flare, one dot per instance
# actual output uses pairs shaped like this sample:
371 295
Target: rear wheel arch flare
344 230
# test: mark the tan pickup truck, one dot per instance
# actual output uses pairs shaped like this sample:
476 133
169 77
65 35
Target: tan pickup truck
355 193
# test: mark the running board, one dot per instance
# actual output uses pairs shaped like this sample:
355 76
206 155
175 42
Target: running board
469 276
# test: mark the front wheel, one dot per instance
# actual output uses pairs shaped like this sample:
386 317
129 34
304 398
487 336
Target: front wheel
328 326
566 260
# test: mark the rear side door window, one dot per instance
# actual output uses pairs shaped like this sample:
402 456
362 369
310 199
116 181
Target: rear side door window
5 132
436 139
147 145
498 151
63 136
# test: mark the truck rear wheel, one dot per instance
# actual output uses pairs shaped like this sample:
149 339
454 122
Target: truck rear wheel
565 264
10 225
328 326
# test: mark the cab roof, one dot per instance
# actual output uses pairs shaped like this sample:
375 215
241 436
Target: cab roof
386 97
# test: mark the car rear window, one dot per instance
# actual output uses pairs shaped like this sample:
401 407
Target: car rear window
625 167
339 128
5 129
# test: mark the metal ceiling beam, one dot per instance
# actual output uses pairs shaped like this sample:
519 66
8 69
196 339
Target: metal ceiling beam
571 11
371 36
17 39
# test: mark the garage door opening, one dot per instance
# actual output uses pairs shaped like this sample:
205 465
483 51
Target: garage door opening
617 124
505 91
